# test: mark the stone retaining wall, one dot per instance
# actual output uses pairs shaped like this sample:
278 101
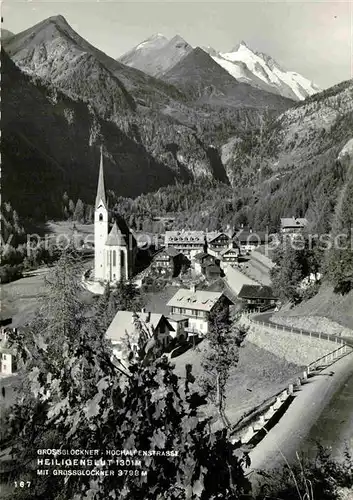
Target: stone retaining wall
314 324
294 348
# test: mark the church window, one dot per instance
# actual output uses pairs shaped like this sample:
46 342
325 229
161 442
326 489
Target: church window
114 257
100 217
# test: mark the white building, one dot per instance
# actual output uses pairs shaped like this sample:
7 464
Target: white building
195 305
8 355
114 249
123 331
188 243
292 225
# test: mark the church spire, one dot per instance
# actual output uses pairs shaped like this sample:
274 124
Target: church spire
101 191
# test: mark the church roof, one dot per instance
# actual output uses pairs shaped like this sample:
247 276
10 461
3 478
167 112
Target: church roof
101 191
116 237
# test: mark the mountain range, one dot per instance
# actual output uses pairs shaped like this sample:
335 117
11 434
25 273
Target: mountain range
153 132
181 118
158 55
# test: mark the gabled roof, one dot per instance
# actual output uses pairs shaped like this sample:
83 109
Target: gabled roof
123 323
236 279
234 249
211 239
100 198
256 292
250 237
177 318
202 255
171 251
202 300
213 269
293 222
115 237
120 234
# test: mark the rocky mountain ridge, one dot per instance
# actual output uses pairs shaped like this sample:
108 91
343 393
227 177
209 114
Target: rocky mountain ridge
298 153
197 74
145 124
158 55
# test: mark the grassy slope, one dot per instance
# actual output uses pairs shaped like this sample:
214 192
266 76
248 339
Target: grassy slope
258 376
329 305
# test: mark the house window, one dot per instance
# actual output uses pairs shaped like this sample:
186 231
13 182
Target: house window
4 356
114 258
162 328
122 258
100 217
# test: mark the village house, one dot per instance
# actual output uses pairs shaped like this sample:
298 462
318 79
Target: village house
213 272
293 225
8 354
8 361
123 330
248 240
230 256
167 262
188 243
257 296
217 243
196 305
201 260
180 325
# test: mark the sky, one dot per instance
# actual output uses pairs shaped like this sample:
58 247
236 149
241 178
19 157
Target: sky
314 38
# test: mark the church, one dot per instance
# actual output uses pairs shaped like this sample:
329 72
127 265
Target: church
115 247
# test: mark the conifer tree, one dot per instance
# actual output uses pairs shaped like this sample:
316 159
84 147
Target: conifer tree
224 339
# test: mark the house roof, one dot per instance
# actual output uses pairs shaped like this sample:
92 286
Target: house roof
177 318
256 292
293 222
184 237
212 268
5 348
123 323
250 237
171 251
202 300
229 250
236 279
202 255
213 237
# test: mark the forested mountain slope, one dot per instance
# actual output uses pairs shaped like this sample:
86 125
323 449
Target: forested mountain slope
76 98
294 160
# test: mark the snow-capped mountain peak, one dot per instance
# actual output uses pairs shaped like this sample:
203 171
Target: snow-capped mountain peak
155 40
263 71
158 54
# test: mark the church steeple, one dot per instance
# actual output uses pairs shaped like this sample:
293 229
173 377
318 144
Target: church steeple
101 191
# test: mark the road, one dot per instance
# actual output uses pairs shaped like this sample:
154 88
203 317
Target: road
325 400
322 411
